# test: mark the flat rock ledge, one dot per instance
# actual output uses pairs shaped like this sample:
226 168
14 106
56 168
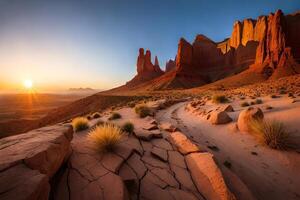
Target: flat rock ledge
28 161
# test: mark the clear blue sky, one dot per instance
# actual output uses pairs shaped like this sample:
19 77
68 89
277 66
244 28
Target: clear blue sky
93 43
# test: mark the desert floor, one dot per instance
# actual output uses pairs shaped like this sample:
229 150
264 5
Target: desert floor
268 173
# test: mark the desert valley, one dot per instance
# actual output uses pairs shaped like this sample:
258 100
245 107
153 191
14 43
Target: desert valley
220 121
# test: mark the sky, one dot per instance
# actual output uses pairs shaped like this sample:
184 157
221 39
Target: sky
61 44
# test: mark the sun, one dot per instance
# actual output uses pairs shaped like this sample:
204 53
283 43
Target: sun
28 84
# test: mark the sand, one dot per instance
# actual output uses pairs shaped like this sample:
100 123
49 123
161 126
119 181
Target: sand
271 174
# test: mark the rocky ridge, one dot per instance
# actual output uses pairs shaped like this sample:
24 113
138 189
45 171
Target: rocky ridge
268 46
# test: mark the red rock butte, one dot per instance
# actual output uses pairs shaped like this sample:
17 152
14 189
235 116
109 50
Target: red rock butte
267 46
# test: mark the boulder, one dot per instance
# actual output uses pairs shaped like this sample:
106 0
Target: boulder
219 117
246 116
29 160
226 108
208 177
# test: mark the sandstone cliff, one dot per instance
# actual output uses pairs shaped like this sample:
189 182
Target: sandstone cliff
145 69
269 46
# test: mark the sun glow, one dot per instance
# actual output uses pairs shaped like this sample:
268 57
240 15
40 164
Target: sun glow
28 84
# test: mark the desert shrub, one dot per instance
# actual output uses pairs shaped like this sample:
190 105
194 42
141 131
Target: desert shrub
291 95
252 103
142 110
282 92
258 101
114 115
80 124
242 98
96 115
128 127
131 104
268 107
273 96
245 104
219 99
89 117
272 133
106 136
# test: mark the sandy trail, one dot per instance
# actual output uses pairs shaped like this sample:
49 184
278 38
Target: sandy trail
269 174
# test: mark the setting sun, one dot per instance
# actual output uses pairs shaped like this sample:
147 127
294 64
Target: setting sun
28 84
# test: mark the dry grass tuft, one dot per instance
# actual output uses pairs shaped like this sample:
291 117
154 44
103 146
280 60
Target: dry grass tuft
80 124
219 99
142 110
106 137
272 133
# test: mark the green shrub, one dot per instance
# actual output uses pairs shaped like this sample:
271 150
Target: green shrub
106 136
245 104
80 124
219 99
258 101
114 115
131 104
282 92
142 110
128 127
272 133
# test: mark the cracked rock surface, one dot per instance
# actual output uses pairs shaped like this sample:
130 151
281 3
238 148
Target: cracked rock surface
28 161
149 164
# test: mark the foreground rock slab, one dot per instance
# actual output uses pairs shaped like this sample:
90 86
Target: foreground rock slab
182 143
207 176
29 160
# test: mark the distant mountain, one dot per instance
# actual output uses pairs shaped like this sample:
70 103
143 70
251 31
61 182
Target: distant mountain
261 49
81 89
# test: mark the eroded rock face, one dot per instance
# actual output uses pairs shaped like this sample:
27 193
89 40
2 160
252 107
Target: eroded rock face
256 44
170 65
247 116
248 31
145 69
29 160
236 36
184 56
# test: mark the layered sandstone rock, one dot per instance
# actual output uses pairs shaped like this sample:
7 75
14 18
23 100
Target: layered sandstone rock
260 45
170 65
248 31
236 36
145 69
28 161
